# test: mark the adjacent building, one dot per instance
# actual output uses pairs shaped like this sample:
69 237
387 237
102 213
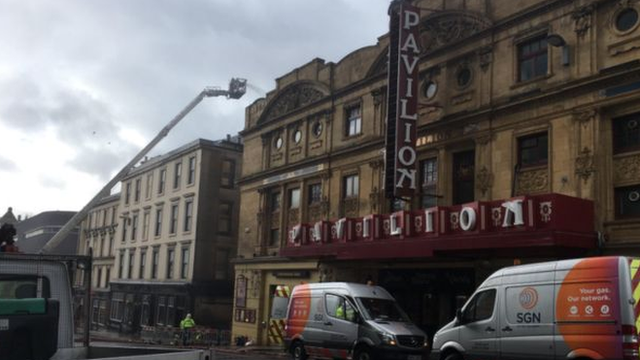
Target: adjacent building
176 231
34 232
527 149
97 238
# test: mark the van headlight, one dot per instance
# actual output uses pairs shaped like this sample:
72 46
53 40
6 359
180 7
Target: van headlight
388 339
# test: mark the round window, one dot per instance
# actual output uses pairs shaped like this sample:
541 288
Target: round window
626 19
317 128
634 196
430 89
464 77
279 142
297 136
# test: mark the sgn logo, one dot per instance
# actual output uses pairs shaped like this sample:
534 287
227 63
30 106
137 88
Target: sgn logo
528 299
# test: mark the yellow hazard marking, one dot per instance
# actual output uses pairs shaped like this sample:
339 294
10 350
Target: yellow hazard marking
635 264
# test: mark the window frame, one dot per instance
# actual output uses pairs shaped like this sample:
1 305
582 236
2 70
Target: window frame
227 173
177 175
191 177
428 189
162 181
534 56
537 136
353 120
350 181
311 199
473 303
225 217
173 220
188 215
621 122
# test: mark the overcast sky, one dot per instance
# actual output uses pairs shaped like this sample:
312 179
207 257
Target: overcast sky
85 84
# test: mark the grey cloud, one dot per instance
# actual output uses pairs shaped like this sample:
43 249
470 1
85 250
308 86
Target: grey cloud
7 165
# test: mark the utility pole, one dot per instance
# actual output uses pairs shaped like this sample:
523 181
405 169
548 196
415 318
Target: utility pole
237 88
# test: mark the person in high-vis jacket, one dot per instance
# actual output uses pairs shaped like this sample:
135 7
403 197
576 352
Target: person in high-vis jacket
186 325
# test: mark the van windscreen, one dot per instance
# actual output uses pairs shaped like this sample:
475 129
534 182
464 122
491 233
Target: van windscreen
381 310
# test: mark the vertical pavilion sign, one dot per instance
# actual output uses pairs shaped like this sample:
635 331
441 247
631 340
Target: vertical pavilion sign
402 116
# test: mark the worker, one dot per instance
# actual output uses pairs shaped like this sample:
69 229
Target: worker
186 326
7 233
340 312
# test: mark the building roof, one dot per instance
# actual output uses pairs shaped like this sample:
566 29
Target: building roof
8 217
33 233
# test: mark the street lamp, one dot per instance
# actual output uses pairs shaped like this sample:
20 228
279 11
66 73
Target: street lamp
556 40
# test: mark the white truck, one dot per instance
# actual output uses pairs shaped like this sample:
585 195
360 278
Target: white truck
37 312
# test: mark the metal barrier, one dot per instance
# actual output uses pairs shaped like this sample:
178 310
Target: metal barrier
198 336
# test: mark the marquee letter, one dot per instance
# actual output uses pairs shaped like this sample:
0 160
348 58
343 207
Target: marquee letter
513 213
411 19
428 215
403 113
395 228
404 173
467 219
410 43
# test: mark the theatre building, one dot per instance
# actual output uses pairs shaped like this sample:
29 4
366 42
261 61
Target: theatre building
525 145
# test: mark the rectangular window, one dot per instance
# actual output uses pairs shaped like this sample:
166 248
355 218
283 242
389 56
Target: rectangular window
626 133
171 311
154 263
533 150
171 257
224 218
188 214
294 198
108 278
274 237
532 59
480 307
136 194
173 225
117 306
132 254
161 317
99 278
177 175
114 210
222 264
428 182
134 227
145 225
627 201
274 202
143 263
127 194
124 228
158 227
191 178
315 194
351 185
149 186
110 245
228 172
464 177
162 181
121 265
104 217
354 120
184 263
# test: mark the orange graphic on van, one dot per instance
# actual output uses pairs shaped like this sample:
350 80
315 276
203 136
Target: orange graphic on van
528 298
299 310
587 305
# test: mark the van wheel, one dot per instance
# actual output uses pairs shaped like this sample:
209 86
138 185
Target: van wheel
453 356
298 352
362 353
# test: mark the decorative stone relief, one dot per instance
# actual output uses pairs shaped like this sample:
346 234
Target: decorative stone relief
294 216
584 116
350 207
582 19
374 200
485 139
626 169
484 179
533 181
315 213
584 164
291 99
447 27
275 219
378 95
485 56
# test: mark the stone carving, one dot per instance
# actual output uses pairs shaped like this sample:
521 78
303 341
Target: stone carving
292 99
533 181
485 56
374 200
485 139
584 164
275 219
484 179
350 207
447 27
378 95
626 169
315 212
584 116
294 216
582 19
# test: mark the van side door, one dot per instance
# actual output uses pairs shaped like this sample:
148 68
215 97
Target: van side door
340 326
479 320
527 326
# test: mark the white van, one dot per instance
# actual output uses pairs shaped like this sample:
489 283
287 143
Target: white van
572 309
346 320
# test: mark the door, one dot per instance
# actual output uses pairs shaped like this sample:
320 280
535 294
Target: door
479 328
340 326
278 315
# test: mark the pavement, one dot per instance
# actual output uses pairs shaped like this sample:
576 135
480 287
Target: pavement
113 337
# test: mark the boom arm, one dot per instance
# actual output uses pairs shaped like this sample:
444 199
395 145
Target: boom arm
237 88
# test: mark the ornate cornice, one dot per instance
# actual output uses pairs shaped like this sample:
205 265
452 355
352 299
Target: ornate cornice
582 19
447 27
292 98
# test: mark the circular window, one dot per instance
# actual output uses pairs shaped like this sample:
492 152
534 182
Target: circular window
464 77
279 142
634 196
317 128
632 124
297 136
430 89
626 19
